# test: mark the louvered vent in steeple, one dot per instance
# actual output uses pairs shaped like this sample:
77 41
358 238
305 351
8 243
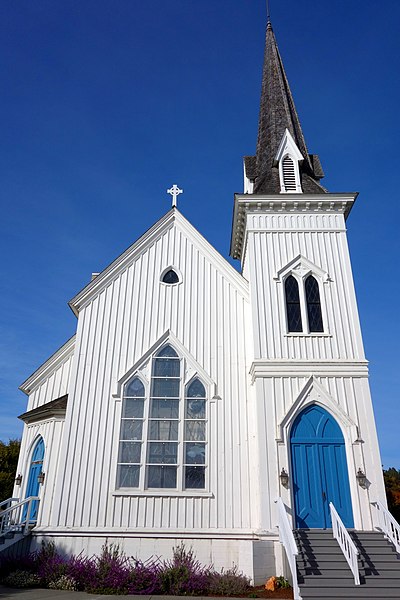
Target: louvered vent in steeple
289 175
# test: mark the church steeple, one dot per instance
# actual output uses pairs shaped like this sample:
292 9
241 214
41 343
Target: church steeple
278 116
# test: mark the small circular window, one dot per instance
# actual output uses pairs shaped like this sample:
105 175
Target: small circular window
170 276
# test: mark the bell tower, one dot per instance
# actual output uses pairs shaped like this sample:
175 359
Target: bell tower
289 233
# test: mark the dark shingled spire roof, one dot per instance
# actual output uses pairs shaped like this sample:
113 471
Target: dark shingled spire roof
277 113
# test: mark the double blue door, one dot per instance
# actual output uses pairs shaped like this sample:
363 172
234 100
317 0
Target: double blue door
32 487
319 468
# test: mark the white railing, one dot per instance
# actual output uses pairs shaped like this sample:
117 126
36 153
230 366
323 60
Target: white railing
7 503
17 517
345 542
388 525
286 538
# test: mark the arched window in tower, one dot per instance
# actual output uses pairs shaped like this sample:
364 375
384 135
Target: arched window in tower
289 174
293 308
313 302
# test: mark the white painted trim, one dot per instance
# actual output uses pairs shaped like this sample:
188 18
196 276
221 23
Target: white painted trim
167 336
248 534
169 220
288 148
49 366
296 368
245 204
302 267
177 271
313 393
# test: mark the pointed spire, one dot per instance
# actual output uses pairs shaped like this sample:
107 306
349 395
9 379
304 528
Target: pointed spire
278 113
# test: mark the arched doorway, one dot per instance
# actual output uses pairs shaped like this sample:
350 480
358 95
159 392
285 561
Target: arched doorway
32 487
319 468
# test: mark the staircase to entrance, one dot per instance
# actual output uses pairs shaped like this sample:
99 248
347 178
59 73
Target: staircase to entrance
17 518
323 572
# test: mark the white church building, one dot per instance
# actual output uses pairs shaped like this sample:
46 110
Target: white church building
193 397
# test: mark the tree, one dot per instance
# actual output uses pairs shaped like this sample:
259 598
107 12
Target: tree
8 465
392 484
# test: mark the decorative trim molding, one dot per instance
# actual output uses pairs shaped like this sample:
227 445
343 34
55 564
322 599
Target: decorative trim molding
289 203
172 218
296 368
314 393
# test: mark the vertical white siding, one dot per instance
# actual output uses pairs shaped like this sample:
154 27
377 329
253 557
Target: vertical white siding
53 386
273 241
209 314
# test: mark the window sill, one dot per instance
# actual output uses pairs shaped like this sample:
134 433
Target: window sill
303 334
163 493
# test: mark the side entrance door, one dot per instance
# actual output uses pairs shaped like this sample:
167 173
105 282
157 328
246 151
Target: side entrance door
319 469
33 485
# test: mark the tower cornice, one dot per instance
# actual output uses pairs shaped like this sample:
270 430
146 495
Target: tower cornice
246 204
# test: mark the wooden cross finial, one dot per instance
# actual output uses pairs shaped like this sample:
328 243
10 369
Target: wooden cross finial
174 191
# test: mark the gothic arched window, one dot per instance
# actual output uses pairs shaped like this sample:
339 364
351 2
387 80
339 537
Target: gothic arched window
313 303
293 308
163 430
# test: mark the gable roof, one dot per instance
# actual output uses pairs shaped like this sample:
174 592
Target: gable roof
171 218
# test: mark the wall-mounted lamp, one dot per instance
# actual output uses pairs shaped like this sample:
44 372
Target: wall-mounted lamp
284 477
18 479
361 478
41 477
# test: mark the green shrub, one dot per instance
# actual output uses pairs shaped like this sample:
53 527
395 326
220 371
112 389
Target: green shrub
229 583
22 579
63 583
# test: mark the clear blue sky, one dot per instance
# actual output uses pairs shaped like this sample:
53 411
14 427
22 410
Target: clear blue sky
105 104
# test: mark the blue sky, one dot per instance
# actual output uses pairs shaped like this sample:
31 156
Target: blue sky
105 104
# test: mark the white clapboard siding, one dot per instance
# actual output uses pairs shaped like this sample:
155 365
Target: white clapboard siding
272 242
208 313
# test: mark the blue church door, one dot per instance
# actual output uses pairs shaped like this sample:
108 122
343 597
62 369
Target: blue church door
319 468
32 488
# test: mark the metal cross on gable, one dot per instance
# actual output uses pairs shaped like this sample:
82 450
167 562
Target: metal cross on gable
174 191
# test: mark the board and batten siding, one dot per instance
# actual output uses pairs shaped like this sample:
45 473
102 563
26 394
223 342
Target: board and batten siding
351 394
51 380
273 240
286 362
51 430
208 313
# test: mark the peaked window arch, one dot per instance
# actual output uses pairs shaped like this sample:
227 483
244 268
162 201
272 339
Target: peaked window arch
163 428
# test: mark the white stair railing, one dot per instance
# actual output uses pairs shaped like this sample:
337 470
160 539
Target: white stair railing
17 517
286 538
345 542
7 503
388 525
